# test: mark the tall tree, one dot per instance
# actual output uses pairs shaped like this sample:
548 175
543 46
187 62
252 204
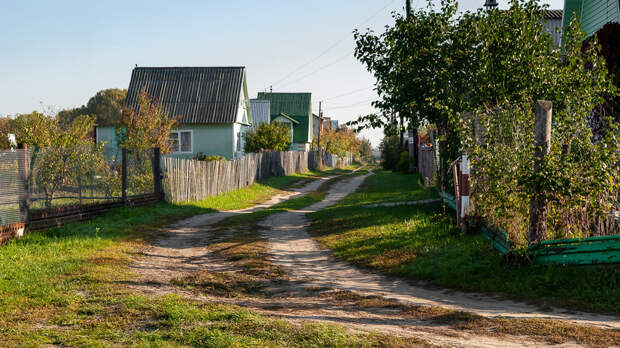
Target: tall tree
106 106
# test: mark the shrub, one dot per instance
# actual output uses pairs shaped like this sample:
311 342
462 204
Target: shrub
274 136
390 146
403 162
202 157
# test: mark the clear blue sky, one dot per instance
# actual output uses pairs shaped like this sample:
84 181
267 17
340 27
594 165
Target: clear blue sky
59 53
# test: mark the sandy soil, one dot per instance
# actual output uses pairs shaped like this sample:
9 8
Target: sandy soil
295 251
184 248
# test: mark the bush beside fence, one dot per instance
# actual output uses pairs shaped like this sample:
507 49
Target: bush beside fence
192 180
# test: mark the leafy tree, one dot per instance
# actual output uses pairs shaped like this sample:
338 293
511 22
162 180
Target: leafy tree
5 130
146 127
61 156
273 136
484 71
390 152
106 106
365 150
338 141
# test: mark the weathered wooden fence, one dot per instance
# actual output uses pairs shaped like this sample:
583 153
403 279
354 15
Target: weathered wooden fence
426 164
191 180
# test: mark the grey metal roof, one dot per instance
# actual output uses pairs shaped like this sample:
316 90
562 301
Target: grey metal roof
261 111
199 94
553 14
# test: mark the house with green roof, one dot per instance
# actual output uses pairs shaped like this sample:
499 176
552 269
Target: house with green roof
295 110
593 14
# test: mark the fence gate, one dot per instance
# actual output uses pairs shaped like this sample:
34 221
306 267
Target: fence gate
13 192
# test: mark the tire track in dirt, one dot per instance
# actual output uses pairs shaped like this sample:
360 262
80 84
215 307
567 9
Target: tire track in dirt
292 248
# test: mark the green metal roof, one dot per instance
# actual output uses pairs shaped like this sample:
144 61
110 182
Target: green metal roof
288 118
297 106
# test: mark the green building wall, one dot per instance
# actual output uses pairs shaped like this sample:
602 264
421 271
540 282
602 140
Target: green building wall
593 14
214 139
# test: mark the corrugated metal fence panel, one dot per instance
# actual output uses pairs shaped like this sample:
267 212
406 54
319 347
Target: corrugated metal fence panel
192 180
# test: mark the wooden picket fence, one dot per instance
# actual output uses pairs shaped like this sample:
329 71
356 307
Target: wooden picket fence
191 180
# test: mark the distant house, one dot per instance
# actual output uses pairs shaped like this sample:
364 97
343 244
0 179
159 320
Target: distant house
593 14
212 101
553 25
295 110
260 110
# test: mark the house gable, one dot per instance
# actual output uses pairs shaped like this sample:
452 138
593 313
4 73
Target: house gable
200 95
298 106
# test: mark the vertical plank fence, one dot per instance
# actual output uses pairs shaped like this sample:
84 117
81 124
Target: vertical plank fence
192 180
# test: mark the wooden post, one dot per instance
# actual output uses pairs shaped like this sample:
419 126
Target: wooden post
464 183
124 174
157 171
416 152
23 163
538 203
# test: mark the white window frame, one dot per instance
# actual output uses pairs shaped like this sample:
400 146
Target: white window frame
191 139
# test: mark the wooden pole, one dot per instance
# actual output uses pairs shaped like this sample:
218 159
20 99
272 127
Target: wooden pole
320 162
124 174
24 168
157 171
538 203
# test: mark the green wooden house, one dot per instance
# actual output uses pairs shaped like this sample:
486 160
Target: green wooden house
295 110
212 101
593 14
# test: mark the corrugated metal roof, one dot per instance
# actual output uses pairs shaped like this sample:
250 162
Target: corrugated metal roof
260 110
295 105
201 95
553 14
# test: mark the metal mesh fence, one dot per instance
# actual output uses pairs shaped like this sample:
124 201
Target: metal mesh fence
73 175
86 175
139 172
11 185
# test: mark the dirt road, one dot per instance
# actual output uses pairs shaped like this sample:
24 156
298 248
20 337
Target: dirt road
184 249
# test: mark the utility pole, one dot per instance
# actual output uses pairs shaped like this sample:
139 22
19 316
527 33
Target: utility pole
318 141
408 7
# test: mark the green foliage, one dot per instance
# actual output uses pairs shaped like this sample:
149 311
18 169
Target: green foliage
202 157
390 152
365 150
338 141
147 127
106 106
5 130
403 162
484 71
275 136
579 178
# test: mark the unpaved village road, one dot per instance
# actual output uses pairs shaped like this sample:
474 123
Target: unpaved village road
184 248
293 249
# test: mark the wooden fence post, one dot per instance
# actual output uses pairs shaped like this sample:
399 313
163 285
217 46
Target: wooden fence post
464 183
538 203
157 171
124 174
23 163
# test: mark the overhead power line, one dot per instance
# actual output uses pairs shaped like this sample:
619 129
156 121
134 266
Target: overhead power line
302 66
351 105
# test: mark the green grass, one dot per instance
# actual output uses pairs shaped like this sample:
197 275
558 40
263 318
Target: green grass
422 243
263 190
67 286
